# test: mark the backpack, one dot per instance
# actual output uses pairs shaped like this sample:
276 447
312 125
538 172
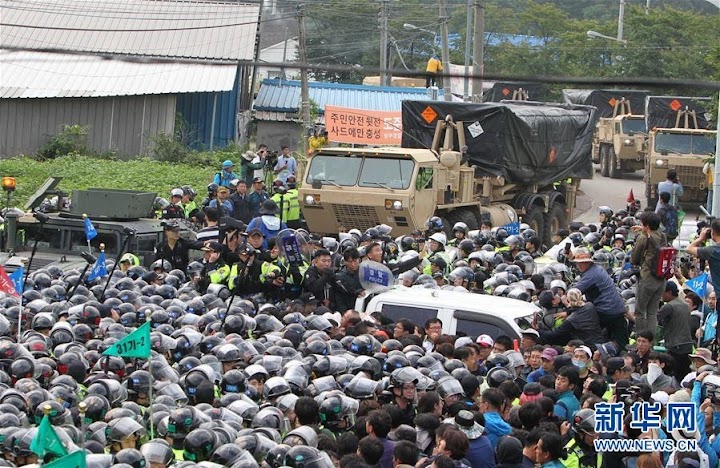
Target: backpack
670 222
663 263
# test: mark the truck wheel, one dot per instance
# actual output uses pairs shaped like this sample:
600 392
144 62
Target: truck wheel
603 161
555 219
534 219
613 170
463 215
652 199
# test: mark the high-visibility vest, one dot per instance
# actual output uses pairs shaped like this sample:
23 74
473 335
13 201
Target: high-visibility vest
294 205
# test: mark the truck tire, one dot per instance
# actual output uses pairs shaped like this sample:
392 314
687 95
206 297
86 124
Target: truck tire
651 198
603 160
535 219
556 218
463 215
613 170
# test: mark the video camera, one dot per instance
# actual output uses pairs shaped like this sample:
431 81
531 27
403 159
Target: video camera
271 159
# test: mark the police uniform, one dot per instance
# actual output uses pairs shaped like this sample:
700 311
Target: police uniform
581 458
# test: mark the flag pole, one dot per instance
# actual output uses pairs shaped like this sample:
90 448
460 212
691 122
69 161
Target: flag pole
82 408
86 236
150 398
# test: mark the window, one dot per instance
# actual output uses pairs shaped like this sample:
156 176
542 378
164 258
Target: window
474 324
632 126
78 242
419 315
685 143
392 173
331 169
424 179
47 237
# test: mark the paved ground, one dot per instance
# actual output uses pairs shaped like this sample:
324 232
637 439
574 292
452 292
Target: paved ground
600 191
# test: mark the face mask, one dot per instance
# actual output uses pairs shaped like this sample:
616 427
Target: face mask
579 364
654 371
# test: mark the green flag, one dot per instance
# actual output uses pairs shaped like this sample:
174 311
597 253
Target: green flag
74 460
135 345
47 441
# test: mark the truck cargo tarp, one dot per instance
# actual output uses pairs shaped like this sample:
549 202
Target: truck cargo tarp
525 142
605 99
662 111
503 90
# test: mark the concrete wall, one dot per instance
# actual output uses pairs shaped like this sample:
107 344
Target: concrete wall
126 124
278 134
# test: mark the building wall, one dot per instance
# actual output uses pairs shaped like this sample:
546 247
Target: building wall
278 134
126 124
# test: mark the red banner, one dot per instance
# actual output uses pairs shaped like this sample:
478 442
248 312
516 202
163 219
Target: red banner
6 284
364 127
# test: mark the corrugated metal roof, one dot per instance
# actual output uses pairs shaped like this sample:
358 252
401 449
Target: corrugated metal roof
284 96
163 28
46 75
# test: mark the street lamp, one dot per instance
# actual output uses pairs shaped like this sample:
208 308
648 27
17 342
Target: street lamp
597 35
412 27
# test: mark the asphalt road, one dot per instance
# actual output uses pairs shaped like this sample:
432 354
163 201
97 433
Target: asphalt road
604 191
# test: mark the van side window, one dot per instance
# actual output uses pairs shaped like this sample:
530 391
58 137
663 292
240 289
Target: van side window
472 325
419 315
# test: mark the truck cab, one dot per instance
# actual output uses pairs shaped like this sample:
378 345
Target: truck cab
470 314
620 141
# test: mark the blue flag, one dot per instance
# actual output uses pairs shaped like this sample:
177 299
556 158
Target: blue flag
90 232
698 285
99 270
513 229
18 279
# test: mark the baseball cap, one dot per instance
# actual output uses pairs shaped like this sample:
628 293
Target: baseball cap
254 231
227 163
257 179
176 192
550 354
531 331
585 350
615 364
212 246
485 340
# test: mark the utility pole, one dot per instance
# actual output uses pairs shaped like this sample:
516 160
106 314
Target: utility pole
621 18
445 50
384 74
304 90
468 44
478 51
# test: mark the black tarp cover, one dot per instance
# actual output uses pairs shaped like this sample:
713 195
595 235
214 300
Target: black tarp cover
503 90
661 111
525 142
604 99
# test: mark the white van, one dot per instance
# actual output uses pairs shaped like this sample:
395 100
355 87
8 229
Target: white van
467 313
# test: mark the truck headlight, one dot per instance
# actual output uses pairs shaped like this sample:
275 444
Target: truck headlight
397 205
310 200
659 163
628 142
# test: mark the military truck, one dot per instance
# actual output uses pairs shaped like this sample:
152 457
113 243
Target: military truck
460 161
115 214
619 144
679 138
498 91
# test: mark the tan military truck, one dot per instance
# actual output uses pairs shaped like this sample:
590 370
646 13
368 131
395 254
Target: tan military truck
460 161
619 144
679 138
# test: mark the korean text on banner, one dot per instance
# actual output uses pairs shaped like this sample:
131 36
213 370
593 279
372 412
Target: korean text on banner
365 127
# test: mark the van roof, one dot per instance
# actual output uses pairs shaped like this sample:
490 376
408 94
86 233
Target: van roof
511 308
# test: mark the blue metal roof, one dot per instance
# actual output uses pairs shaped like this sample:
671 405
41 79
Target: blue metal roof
284 96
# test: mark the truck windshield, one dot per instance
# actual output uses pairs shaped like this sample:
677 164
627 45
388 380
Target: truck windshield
633 126
685 143
340 170
393 173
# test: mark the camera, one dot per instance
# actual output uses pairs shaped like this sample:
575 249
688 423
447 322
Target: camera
271 158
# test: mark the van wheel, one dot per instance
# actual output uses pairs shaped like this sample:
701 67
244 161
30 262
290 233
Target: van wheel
613 171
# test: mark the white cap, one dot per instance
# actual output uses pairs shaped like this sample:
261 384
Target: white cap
585 350
485 340
660 397
176 192
462 341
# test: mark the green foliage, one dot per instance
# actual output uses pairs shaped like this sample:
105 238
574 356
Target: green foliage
72 140
81 172
168 148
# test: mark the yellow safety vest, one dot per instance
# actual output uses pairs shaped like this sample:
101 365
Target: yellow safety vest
294 205
285 208
220 274
189 208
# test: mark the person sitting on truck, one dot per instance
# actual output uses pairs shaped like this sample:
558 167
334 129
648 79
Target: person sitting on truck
672 186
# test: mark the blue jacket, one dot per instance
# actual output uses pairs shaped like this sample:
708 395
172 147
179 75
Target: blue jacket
600 289
712 450
495 428
268 225
536 375
567 405
223 178
481 453
386 461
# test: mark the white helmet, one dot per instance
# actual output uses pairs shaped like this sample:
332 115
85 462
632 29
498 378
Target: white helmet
460 226
439 237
